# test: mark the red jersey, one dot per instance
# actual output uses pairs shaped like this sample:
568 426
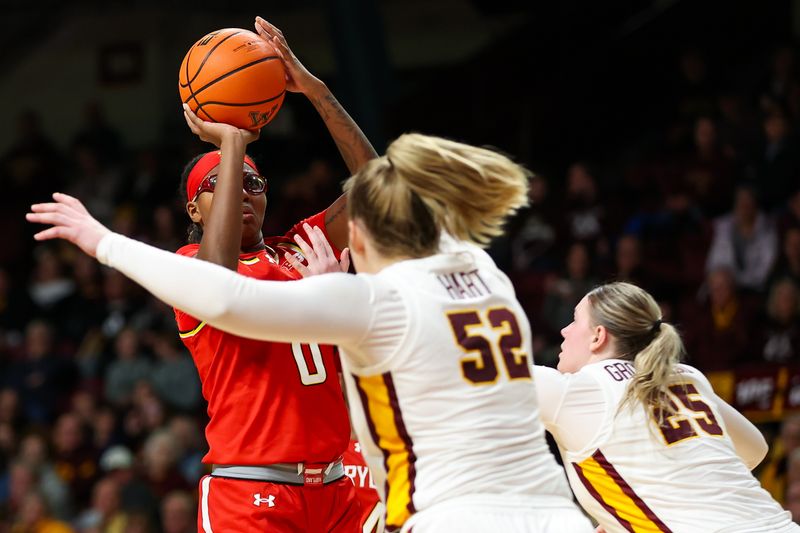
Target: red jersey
268 402
373 512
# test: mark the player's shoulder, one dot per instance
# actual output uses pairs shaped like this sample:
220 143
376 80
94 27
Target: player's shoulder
188 250
687 372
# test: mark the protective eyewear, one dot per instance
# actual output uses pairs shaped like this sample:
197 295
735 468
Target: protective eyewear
253 184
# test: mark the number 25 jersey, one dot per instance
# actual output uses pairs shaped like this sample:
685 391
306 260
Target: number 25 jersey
682 475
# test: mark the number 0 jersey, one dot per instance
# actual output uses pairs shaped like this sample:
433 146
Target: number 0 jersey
268 402
437 364
451 409
633 474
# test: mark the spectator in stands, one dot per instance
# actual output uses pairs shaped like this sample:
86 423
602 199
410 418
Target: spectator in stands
707 172
788 266
174 375
628 263
745 242
34 517
9 407
105 430
159 458
584 215
121 306
40 378
105 514
790 218
16 308
191 447
135 496
777 165
75 460
717 332
675 241
563 293
34 453
532 231
98 135
146 415
792 503
774 469
777 87
778 339
128 368
21 481
178 513
50 287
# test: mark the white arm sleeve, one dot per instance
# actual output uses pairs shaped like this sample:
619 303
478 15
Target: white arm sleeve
330 309
750 444
572 406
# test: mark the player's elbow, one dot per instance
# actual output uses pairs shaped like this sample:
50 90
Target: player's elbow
760 448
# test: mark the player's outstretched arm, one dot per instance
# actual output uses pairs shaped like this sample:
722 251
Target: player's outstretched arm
353 145
309 310
70 221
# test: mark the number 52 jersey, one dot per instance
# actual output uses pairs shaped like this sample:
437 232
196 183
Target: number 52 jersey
452 410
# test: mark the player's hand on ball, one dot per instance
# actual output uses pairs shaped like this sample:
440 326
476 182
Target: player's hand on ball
215 132
298 78
319 255
70 221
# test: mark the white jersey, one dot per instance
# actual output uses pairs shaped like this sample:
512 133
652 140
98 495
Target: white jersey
453 410
437 360
633 474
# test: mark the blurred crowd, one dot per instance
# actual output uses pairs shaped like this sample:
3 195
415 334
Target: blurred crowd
101 414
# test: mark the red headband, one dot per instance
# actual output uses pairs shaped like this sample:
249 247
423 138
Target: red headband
201 168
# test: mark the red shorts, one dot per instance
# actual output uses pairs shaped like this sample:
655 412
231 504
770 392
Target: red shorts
244 506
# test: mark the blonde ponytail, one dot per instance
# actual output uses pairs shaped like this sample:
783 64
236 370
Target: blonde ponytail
633 319
425 185
655 370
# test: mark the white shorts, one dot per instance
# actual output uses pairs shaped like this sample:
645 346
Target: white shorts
474 514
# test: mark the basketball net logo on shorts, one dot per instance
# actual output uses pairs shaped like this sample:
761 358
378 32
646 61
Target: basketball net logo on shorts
258 500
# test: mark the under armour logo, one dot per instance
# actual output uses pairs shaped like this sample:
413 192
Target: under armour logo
258 500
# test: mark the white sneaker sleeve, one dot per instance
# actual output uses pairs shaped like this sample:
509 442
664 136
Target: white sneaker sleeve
337 309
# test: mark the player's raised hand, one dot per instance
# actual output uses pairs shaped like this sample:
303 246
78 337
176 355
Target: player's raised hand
215 132
319 255
70 221
298 78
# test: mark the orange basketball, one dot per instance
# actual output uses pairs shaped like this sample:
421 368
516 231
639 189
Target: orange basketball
233 76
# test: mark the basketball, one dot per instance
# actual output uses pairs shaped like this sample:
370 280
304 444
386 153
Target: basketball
233 76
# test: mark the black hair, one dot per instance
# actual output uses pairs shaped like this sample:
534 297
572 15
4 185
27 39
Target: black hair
194 233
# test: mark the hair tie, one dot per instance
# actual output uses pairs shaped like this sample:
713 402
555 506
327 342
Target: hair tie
656 327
